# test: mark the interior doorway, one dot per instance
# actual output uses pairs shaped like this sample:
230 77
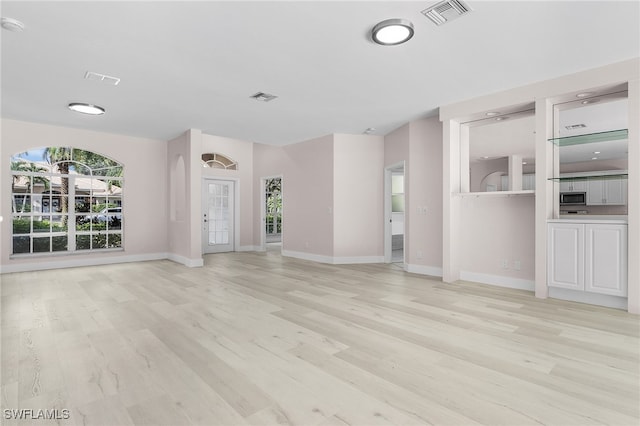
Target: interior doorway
272 213
394 205
218 216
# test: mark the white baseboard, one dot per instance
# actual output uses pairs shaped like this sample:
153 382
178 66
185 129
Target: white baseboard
191 263
498 280
75 263
590 298
342 260
308 256
349 260
434 271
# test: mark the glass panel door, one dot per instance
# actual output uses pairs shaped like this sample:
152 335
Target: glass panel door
218 215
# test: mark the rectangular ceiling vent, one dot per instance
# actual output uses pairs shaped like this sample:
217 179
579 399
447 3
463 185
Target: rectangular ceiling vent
575 126
90 75
445 11
264 97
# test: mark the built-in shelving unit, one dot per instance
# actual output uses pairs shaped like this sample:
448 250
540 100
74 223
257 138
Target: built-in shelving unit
611 135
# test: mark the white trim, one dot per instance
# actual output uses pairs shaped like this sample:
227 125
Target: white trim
587 297
346 260
434 271
308 256
387 228
263 209
191 263
75 263
498 280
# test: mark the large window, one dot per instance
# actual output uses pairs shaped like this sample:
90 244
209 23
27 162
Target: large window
65 200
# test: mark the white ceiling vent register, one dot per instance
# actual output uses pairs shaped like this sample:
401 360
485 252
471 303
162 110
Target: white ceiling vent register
575 126
445 11
264 97
90 75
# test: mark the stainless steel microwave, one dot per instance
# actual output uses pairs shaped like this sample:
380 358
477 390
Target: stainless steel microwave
573 198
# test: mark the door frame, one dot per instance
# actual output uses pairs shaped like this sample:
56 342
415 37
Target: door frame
263 210
388 172
236 210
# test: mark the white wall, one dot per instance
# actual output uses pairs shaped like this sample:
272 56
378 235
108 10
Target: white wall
497 229
358 190
145 191
308 198
424 210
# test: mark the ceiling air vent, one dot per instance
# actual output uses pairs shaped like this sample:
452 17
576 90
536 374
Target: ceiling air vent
264 97
90 75
446 11
575 126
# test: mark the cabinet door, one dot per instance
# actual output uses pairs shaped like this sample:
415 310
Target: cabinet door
606 259
579 186
596 193
615 191
566 185
565 256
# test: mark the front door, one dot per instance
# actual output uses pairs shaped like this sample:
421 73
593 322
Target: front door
218 214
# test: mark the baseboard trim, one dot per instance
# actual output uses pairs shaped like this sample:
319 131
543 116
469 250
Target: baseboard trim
498 280
191 263
308 256
350 260
343 260
76 263
434 271
605 300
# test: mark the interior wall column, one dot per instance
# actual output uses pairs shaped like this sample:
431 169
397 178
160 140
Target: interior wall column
515 172
453 135
544 191
633 191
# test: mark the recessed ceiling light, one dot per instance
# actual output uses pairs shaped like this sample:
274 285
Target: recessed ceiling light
392 32
594 158
485 157
596 152
492 113
11 24
86 108
524 162
584 94
500 118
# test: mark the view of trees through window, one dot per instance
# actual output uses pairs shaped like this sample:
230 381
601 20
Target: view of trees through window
273 220
65 200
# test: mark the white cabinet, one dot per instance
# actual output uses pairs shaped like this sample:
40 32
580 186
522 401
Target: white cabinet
565 261
573 186
588 256
611 191
606 259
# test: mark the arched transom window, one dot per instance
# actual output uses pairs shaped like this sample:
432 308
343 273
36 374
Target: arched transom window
218 161
65 200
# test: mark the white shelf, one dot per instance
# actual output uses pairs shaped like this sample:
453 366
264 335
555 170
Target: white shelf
526 193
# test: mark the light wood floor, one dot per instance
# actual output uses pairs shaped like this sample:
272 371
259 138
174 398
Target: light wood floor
253 338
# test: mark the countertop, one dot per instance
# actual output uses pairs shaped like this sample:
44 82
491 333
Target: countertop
583 218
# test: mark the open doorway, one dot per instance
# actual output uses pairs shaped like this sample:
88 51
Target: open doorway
272 213
394 214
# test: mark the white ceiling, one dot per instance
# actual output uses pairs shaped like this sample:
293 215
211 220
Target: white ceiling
194 64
